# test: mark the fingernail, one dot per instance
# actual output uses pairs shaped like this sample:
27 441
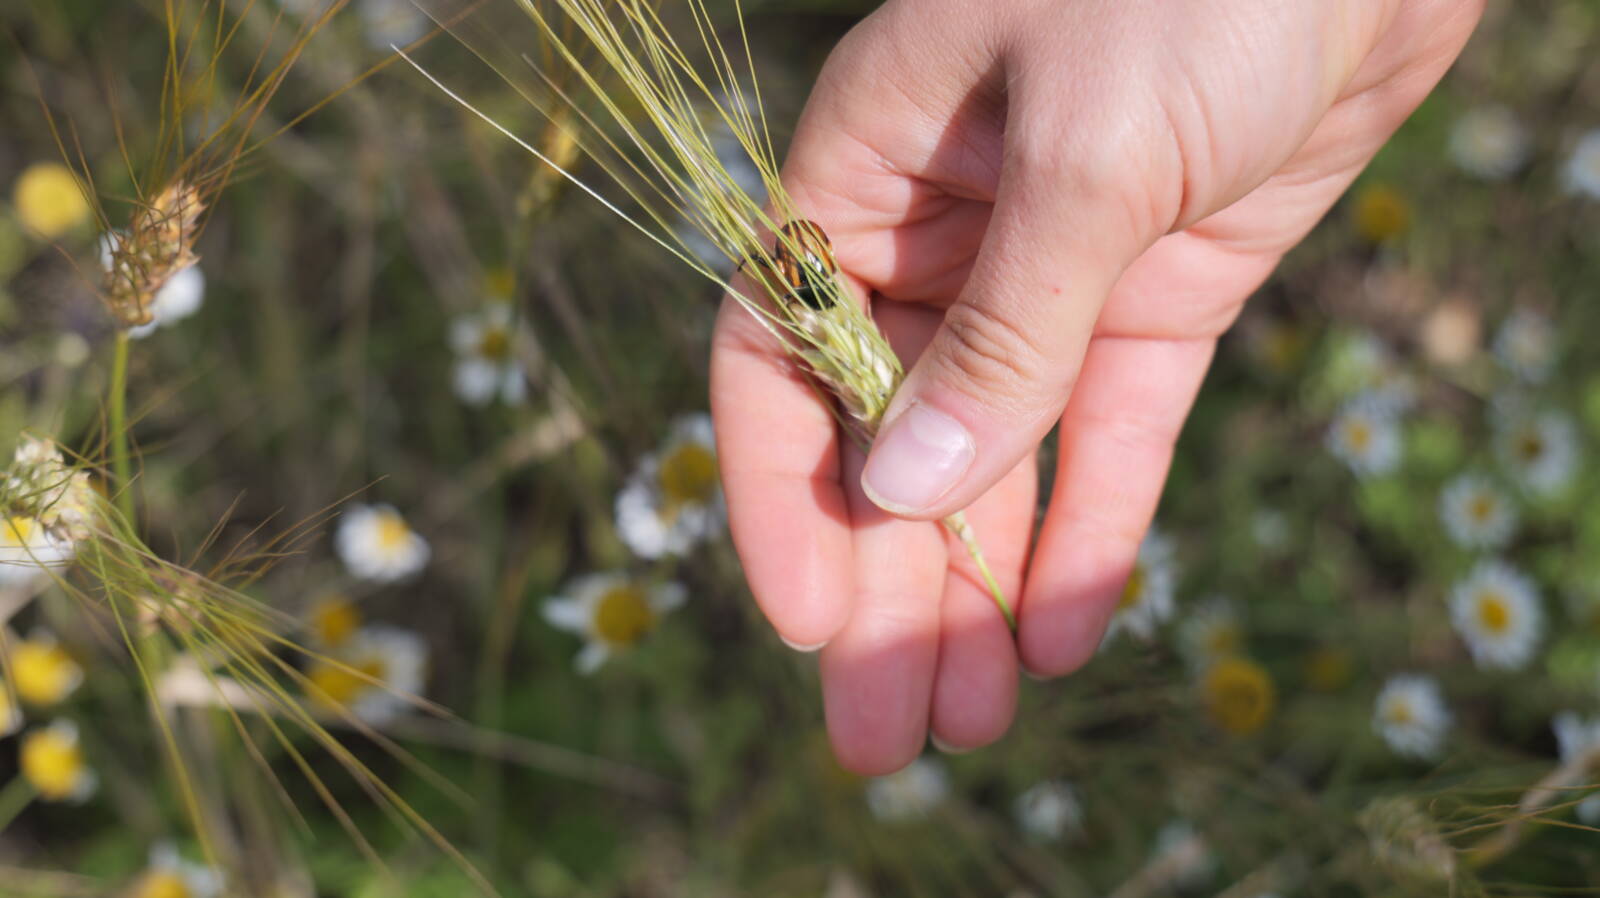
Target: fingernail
1036 677
945 747
803 648
918 459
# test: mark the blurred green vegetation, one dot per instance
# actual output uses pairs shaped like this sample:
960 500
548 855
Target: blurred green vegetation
319 371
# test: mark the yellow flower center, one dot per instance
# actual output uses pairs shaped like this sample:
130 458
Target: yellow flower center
333 621
1481 508
1494 614
623 615
43 673
1381 213
1399 713
688 475
338 685
1358 433
495 344
161 884
53 763
49 201
17 532
392 533
1239 695
1530 445
1133 589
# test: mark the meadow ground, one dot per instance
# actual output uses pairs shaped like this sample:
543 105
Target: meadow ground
413 580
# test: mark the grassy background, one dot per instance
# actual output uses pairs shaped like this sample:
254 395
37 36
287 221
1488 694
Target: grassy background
696 764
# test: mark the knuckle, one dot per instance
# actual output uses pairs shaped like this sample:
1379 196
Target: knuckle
991 357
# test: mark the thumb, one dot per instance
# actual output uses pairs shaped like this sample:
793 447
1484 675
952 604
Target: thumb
997 373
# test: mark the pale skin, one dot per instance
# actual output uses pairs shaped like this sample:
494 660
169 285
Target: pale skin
1055 207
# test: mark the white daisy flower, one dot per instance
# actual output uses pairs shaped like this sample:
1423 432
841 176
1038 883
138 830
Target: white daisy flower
1365 435
392 22
674 500
376 543
1525 345
1147 596
1489 142
1541 450
28 550
1049 810
487 364
170 876
180 297
375 675
1210 633
1583 167
1411 716
1496 610
1184 851
611 611
910 793
1578 738
1476 513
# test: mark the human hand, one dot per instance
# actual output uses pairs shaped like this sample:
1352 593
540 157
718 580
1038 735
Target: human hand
1056 206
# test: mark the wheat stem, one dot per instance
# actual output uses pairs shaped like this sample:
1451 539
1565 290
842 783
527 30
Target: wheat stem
957 524
122 489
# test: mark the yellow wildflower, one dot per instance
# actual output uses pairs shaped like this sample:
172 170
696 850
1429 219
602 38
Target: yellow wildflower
49 201
1239 695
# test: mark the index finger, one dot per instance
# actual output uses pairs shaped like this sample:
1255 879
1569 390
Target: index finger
778 450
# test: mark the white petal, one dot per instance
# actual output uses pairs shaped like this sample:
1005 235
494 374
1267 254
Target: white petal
181 296
593 655
475 381
513 385
694 428
571 615
639 524
466 332
668 597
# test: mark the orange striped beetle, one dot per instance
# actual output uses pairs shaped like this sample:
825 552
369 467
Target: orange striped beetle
806 273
